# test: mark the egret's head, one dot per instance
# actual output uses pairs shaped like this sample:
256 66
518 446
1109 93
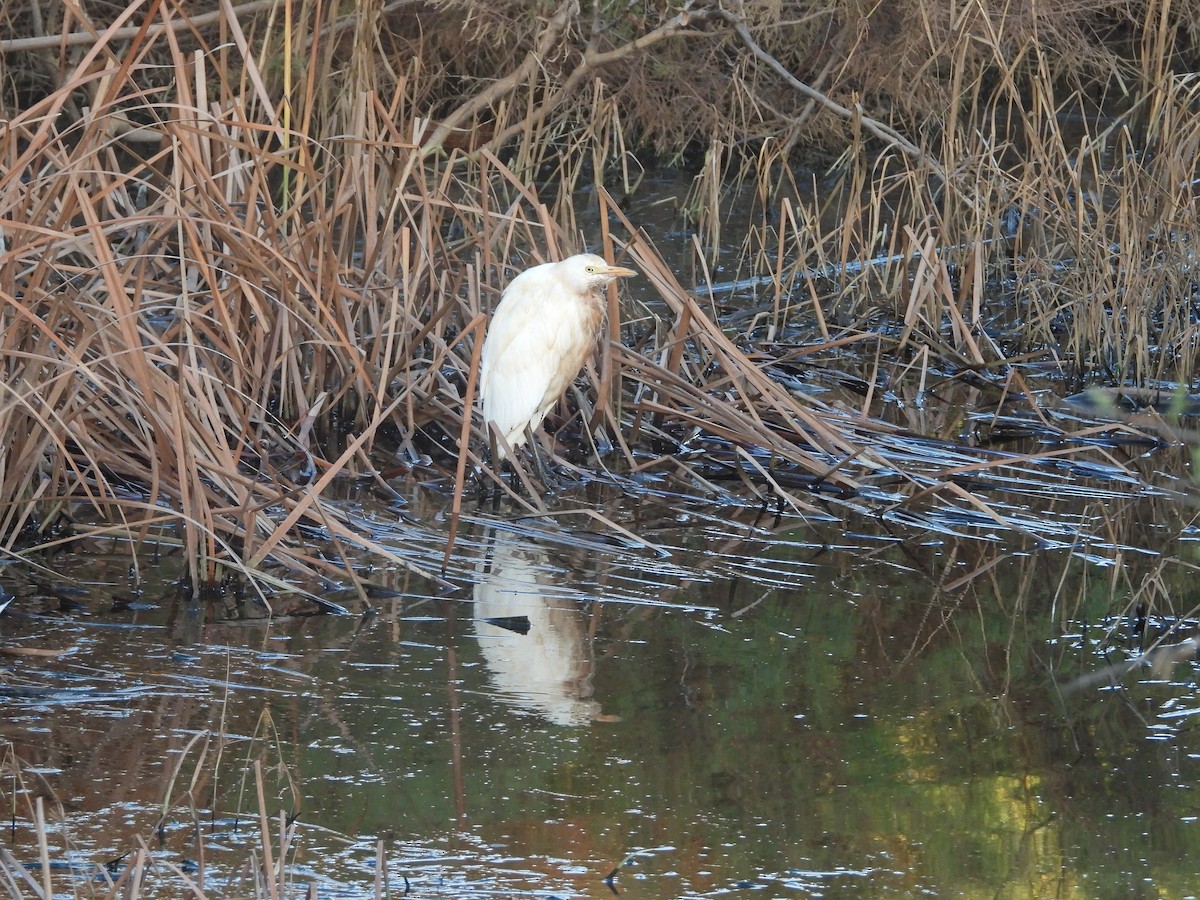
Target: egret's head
588 272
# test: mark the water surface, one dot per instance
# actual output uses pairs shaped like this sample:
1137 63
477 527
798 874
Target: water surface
738 703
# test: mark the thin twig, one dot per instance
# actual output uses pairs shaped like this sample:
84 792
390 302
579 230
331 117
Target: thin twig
186 23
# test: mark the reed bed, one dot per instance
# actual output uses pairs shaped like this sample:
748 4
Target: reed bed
1053 228
243 271
197 850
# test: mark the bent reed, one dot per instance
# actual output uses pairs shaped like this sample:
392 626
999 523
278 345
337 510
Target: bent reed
247 254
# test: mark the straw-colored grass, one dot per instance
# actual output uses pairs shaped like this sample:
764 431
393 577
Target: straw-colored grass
1055 229
247 257
233 820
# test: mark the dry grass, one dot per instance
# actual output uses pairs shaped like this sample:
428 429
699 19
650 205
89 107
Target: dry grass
248 852
1055 229
242 268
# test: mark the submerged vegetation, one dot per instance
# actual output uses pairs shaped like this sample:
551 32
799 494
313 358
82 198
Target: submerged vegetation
248 252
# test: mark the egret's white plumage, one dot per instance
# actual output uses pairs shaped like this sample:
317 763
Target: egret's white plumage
546 323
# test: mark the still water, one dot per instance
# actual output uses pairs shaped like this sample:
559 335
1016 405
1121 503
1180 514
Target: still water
732 703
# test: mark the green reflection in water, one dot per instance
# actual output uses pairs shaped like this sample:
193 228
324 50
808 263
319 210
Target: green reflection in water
838 736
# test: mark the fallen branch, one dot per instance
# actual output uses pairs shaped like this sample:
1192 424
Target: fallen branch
879 129
685 23
681 24
533 59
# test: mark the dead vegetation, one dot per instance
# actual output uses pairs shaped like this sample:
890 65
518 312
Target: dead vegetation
221 833
247 252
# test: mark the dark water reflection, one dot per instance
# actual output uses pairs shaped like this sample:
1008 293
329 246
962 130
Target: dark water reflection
783 709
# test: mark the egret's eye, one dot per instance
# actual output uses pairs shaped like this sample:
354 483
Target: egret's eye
591 270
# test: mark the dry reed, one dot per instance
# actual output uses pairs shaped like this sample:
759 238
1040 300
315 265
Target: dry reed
242 269
261 864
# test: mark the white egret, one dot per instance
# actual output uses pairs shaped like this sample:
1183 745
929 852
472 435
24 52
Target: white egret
544 327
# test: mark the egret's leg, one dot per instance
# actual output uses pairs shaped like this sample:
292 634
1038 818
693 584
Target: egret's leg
495 441
535 447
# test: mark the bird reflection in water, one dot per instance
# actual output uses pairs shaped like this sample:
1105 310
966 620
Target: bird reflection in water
535 643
